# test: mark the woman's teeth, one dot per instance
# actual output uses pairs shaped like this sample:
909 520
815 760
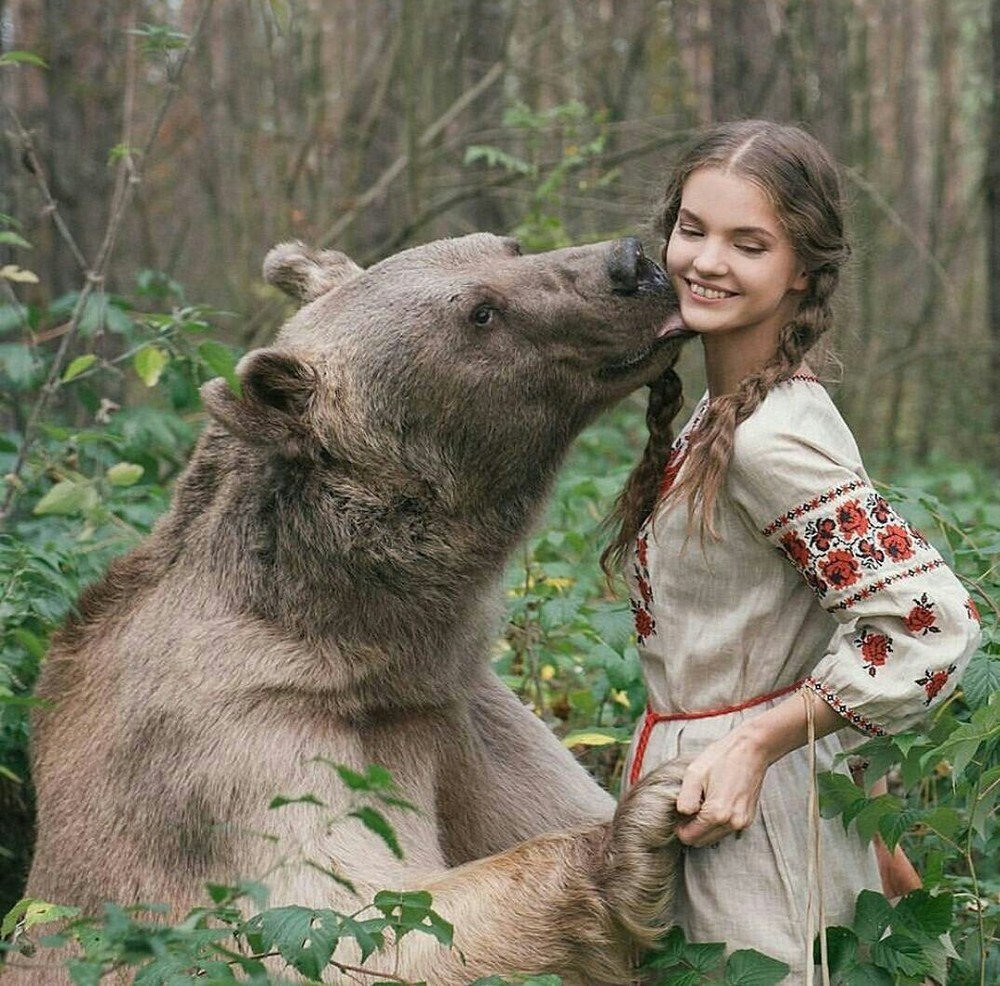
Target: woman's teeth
709 293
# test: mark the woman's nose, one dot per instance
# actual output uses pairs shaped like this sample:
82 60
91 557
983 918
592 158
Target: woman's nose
710 259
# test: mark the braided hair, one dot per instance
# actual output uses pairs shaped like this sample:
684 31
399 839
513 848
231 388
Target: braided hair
800 180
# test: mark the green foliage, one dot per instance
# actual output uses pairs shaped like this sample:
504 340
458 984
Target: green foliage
581 139
678 962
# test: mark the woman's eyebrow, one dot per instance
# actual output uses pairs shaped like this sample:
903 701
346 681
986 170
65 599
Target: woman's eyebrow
739 231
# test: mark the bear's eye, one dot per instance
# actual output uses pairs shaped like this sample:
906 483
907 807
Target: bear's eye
483 315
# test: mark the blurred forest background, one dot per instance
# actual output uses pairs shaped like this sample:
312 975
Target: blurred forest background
350 124
153 150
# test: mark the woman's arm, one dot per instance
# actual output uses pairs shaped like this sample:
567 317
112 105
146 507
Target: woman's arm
721 786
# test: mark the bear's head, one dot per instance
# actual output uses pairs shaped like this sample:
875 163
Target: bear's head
461 349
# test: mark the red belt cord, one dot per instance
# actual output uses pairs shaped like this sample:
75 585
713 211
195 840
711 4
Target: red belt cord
651 718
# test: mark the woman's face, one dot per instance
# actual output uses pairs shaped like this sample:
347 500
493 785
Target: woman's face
730 260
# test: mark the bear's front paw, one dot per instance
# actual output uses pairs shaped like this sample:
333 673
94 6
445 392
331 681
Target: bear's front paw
643 855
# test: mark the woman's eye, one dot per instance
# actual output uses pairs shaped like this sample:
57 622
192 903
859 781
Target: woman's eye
483 315
689 231
750 249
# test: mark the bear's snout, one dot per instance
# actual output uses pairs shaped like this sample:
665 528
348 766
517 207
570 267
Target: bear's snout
630 270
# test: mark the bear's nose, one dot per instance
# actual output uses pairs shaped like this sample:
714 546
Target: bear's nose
622 263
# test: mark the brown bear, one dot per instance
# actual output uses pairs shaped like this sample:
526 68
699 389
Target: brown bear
326 584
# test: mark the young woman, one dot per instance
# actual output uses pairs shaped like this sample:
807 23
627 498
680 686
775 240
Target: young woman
771 585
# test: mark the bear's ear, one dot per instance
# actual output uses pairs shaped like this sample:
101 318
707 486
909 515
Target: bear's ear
272 408
307 274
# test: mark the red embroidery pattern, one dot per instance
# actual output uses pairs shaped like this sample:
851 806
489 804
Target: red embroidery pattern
814 504
970 608
934 681
835 550
641 601
854 718
922 619
875 647
869 590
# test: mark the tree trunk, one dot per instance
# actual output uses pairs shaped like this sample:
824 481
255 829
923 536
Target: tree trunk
993 221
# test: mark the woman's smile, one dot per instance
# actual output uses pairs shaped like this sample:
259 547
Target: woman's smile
730 259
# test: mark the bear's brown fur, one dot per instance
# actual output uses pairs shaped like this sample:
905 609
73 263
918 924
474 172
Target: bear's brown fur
326 584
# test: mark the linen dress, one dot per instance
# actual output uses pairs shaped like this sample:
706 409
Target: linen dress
814 579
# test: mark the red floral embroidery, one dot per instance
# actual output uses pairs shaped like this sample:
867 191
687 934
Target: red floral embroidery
896 541
837 546
840 569
875 648
934 681
880 584
810 505
642 549
645 590
821 533
970 608
851 519
922 619
645 625
796 549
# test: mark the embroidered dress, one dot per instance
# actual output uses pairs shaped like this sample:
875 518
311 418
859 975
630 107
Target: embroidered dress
814 582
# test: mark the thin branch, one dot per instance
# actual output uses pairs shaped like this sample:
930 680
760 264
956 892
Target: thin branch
897 220
504 180
128 177
51 206
382 183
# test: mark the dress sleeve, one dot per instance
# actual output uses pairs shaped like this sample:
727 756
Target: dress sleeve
907 627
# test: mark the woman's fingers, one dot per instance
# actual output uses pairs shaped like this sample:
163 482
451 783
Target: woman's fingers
692 793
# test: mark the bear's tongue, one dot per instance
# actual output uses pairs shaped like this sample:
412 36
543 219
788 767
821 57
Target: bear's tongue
674 327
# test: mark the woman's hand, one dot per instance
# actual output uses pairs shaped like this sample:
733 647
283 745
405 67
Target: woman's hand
721 788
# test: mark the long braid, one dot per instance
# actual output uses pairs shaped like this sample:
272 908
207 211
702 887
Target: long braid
638 497
711 448
801 181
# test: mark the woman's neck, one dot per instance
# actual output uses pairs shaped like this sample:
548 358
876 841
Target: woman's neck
732 357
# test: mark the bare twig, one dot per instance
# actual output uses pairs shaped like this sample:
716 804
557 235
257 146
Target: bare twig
127 178
382 183
897 220
51 206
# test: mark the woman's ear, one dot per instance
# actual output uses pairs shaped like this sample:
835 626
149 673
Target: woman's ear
801 282
277 388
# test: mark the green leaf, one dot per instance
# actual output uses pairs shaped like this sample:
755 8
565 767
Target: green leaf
77 366
29 911
866 975
280 800
747 967
901 954
704 956
124 474
981 679
220 360
368 934
872 915
9 238
870 816
18 274
410 910
923 915
592 737
841 948
22 58
84 973
149 363
376 822
66 498
892 827
837 794
305 938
